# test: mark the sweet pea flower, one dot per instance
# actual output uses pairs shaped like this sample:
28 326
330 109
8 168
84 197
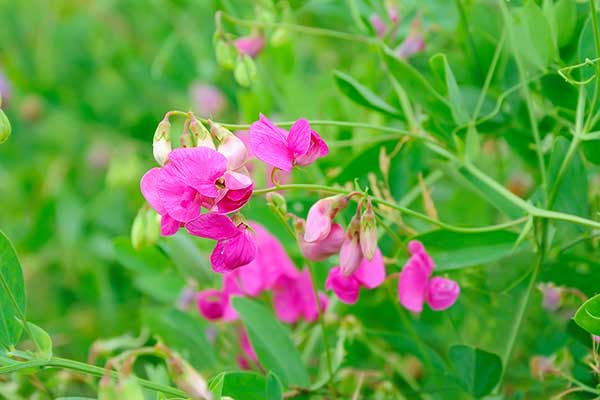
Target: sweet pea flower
320 249
415 286
320 217
236 245
208 99
293 298
369 274
191 179
282 149
250 45
551 295
351 254
413 43
214 304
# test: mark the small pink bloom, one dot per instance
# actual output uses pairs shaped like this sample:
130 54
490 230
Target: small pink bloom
282 149
234 150
320 216
250 45
442 293
552 296
293 298
246 347
596 338
413 43
235 247
369 274
351 253
208 99
212 304
415 286
378 24
322 249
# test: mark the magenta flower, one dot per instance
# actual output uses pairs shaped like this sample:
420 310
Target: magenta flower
415 286
320 217
250 45
293 298
236 245
208 99
215 304
369 274
193 178
378 24
282 149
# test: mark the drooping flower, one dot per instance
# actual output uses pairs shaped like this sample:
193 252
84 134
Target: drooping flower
351 254
208 100
416 288
369 274
320 217
320 249
293 298
250 45
282 149
368 232
193 178
215 304
235 246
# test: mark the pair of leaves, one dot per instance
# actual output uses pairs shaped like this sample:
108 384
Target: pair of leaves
247 386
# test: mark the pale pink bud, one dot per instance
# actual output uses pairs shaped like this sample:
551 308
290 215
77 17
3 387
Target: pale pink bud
208 99
596 338
234 150
320 215
378 24
412 44
201 135
351 254
250 45
161 145
368 232
325 248
551 296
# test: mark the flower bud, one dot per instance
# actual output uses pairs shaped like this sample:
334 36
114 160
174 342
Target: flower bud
250 46
551 296
321 249
320 215
442 293
231 146
201 135
368 232
279 37
351 254
186 377
211 304
278 203
225 54
161 146
245 71
5 128
145 229
186 140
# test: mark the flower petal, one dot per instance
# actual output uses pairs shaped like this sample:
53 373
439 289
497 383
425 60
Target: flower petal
412 285
235 180
180 201
442 293
371 273
233 252
322 249
285 300
168 225
299 137
198 167
212 226
211 304
317 149
269 144
347 289
149 187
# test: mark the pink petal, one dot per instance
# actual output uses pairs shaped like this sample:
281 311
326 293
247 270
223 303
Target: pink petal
269 144
442 293
233 252
198 167
371 273
306 296
285 300
180 201
419 254
318 220
168 225
233 200
412 285
235 180
378 24
250 45
317 149
234 150
347 289
212 226
211 304
322 249
149 187
299 137
351 256
246 346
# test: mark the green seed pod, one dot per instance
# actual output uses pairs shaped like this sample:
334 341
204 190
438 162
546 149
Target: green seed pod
279 37
225 53
277 202
245 71
145 229
5 128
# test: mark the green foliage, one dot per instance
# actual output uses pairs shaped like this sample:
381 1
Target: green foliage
478 371
588 315
13 300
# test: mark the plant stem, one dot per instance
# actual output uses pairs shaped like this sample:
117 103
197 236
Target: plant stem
489 76
88 369
594 18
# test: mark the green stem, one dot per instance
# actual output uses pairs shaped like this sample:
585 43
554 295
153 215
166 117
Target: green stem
301 29
596 31
489 76
467 32
88 369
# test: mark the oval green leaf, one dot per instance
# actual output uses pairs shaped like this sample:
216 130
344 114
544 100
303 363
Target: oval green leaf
588 315
12 300
361 94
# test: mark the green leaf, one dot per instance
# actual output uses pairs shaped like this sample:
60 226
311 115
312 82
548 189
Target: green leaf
417 87
562 19
591 149
453 250
183 333
439 64
42 340
274 390
361 94
478 371
588 315
12 298
238 385
272 343
532 37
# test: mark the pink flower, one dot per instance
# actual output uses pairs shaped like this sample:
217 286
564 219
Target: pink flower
320 249
208 99
320 216
215 304
415 286
596 338
249 355
282 149
351 254
378 24
193 177
413 43
552 295
250 45
235 247
369 274
293 298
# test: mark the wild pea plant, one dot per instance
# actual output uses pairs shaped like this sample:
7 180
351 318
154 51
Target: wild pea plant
337 267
